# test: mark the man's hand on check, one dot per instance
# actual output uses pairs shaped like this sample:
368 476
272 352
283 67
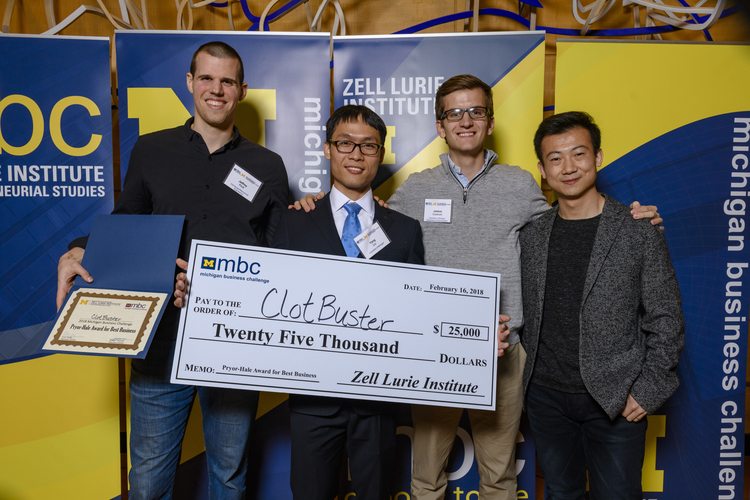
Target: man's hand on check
181 285
502 334
308 202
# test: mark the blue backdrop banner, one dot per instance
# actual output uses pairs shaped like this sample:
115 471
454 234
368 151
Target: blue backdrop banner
55 171
692 162
286 106
397 76
704 233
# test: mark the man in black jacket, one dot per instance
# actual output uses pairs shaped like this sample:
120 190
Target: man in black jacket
181 171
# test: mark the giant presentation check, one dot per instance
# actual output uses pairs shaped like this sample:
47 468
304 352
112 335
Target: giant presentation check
303 323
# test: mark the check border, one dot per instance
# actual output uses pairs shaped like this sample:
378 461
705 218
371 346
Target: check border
245 380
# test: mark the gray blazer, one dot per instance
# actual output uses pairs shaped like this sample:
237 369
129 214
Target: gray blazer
632 329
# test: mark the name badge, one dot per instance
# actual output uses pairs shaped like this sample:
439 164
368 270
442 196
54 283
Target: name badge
437 210
372 240
243 183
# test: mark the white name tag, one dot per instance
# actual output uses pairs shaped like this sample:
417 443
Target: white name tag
243 183
437 210
372 240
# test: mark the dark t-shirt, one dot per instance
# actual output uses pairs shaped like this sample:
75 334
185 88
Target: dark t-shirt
557 365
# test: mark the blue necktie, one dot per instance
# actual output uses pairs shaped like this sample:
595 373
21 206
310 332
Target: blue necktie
352 228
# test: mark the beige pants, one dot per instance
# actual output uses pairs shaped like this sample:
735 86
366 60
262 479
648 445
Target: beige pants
495 434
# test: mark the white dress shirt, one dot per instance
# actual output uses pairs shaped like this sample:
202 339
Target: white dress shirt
366 216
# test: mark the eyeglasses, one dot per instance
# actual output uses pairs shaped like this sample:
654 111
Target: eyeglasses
454 115
367 148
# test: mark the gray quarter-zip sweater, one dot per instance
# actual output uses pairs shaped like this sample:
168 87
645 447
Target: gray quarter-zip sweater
486 216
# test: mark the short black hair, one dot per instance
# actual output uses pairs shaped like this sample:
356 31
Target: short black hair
222 51
564 122
352 113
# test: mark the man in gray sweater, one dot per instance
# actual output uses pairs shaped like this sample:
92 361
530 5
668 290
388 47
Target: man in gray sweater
604 325
489 204
485 206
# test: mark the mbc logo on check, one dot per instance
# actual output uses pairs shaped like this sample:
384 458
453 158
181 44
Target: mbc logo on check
230 265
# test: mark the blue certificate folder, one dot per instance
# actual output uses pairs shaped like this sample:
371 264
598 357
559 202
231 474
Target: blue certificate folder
133 253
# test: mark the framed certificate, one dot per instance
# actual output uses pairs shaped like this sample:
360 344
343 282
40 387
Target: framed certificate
98 321
132 261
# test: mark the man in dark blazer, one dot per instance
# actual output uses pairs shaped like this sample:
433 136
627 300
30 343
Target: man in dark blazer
604 325
322 427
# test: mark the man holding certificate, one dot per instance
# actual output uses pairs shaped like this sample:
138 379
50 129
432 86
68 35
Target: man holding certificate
192 170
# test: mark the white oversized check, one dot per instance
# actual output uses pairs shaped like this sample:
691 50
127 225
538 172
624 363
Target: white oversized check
303 323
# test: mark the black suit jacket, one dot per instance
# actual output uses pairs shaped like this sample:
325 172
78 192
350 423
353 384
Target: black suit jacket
315 231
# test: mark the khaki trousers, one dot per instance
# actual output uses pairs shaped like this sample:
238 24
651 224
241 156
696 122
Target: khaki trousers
494 432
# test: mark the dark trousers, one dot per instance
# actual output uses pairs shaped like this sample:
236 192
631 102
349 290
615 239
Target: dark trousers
318 444
573 433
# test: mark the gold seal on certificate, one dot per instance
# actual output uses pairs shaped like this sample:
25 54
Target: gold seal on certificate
114 322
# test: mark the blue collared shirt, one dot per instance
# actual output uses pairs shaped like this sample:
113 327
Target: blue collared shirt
460 176
366 216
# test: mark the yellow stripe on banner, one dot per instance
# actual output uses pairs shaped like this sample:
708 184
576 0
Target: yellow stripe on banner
48 396
427 158
60 428
653 478
96 484
156 109
84 463
258 106
160 108
268 401
640 91
518 100
389 158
